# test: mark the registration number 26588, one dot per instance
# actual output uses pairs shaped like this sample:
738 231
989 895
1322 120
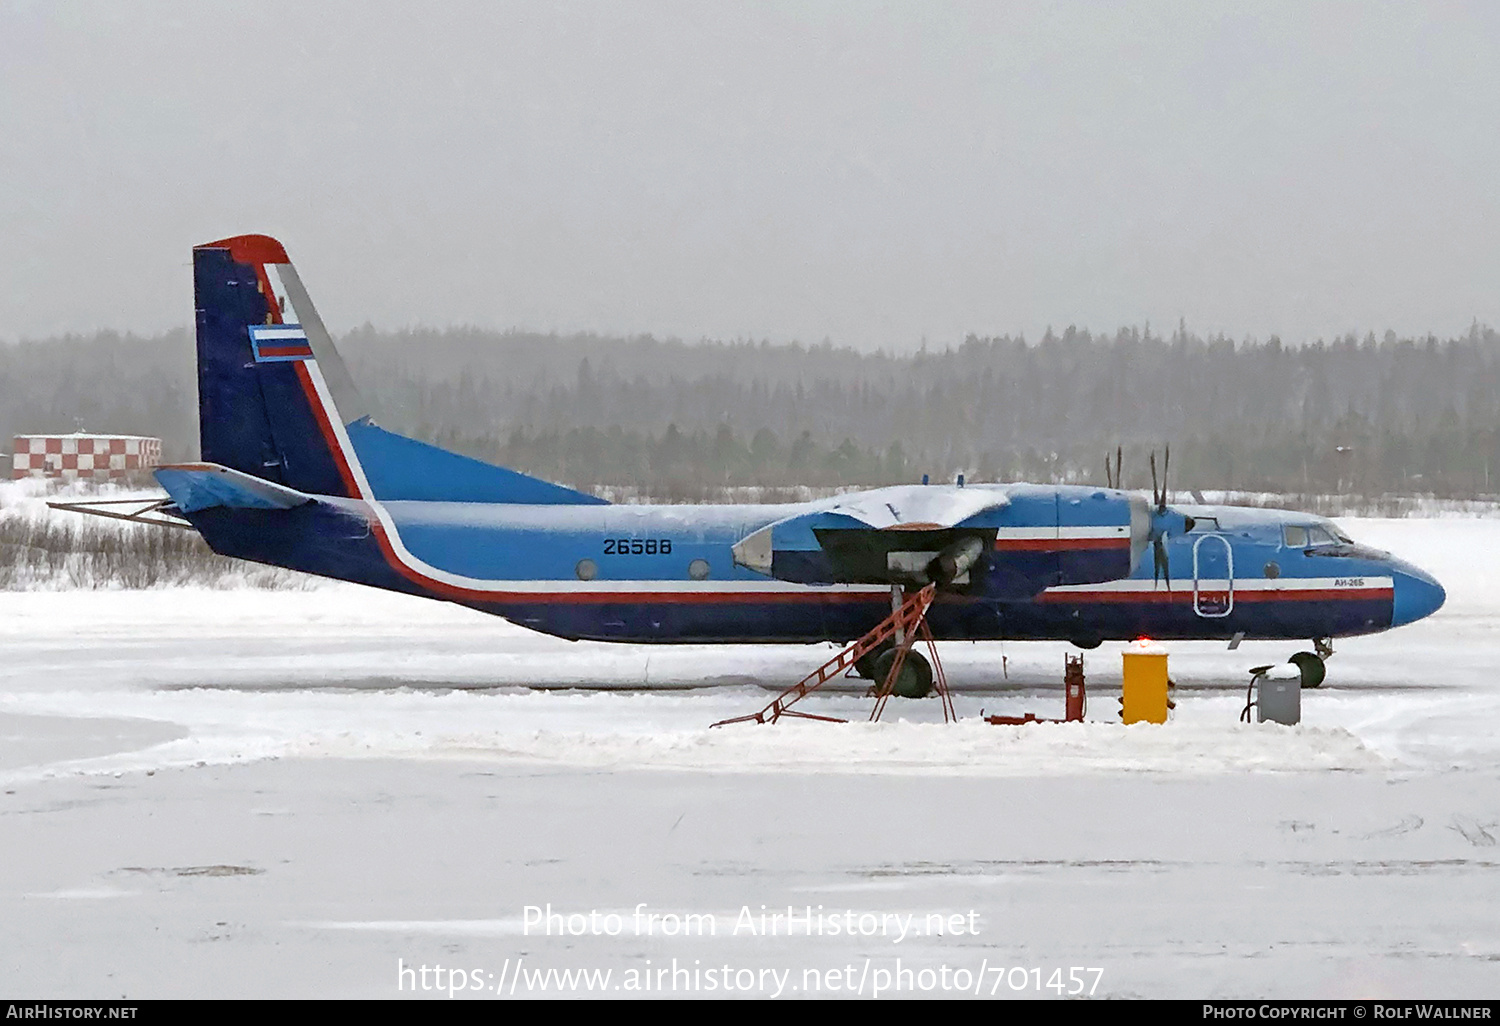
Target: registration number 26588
638 546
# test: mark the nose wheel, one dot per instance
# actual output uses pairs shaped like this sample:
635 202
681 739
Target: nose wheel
1313 664
1312 668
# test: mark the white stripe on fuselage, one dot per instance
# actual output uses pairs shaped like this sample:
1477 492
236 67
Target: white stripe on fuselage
1131 584
412 562
1048 533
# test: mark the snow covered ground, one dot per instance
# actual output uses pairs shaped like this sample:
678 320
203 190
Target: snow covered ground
282 793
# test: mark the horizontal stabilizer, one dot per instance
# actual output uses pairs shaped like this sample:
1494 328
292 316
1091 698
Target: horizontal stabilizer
404 468
195 486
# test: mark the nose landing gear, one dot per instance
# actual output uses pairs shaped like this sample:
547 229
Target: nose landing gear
1313 664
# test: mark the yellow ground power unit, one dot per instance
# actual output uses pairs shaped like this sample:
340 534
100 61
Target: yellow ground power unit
1144 693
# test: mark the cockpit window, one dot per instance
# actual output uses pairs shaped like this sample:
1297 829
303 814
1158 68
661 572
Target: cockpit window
1302 537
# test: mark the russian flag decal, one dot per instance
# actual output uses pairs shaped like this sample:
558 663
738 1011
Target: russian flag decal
276 343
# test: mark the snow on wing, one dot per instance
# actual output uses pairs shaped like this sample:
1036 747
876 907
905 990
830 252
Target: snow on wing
919 507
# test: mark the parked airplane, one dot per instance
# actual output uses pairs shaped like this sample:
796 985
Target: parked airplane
296 474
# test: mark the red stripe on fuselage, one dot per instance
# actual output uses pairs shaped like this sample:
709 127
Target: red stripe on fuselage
646 596
1180 594
325 428
457 592
1058 544
1315 595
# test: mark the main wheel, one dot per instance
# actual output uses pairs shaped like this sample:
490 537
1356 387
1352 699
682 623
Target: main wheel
1312 667
865 664
915 678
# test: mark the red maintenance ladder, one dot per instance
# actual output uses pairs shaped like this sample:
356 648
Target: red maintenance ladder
908 621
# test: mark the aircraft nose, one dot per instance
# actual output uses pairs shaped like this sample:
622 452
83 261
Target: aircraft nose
1418 594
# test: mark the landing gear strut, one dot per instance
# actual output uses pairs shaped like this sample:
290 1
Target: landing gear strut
901 670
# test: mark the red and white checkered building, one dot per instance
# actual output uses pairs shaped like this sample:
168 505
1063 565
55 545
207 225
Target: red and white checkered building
99 457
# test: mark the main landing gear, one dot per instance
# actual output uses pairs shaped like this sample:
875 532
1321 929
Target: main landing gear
884 655
913 681
864 666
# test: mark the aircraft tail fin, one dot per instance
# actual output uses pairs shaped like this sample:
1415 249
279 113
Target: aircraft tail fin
276 402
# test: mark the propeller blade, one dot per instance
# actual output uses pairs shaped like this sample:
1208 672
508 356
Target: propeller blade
1166 467
1119 456
1109 481
1155 496
1160 570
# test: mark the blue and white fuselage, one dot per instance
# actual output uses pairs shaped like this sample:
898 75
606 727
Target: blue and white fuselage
291 481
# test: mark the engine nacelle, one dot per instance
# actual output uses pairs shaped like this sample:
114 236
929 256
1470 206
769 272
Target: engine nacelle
1034 537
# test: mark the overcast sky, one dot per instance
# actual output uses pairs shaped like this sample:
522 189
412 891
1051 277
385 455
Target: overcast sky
871 173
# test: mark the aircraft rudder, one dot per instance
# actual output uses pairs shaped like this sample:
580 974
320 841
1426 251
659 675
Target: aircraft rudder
267 370
276 401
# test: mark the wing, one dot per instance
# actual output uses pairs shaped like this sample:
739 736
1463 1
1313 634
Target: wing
918 507
902 535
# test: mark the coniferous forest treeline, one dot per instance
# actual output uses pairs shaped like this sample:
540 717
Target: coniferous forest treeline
1360 416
